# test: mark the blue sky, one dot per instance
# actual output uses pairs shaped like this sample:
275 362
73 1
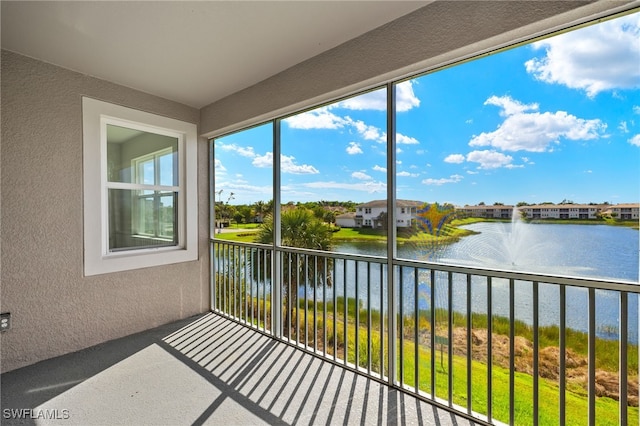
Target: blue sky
551 121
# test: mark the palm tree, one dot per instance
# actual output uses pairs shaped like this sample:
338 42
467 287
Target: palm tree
300 228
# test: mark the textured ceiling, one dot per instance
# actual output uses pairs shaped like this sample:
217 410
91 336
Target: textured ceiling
191 52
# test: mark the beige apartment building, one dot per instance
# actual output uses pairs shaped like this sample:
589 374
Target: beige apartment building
626 211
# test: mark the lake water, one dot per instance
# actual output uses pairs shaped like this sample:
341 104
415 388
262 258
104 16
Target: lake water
594 251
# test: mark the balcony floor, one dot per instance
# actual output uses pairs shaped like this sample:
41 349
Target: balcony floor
205 370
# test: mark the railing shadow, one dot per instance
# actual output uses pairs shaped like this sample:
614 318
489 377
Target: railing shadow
281 384
222 372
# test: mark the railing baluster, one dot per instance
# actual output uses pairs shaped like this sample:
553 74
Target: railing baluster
290 296
357 315
227 271
400 331
369 328
416 336
382 322
623 366
346 313
315 303
236 283
563 355
512 364
591 354
450 338
489 349
335 316
469 347
536 352
433 334
265 264
255 314
243 284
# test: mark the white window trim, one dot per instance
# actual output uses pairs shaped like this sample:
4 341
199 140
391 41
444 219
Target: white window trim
97 258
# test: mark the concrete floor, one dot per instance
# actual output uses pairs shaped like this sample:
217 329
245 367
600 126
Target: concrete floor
204 370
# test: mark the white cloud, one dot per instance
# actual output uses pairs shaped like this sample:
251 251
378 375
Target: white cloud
623 127
407 174
243 188
366 131
489 159
361 176
405 98
287 164
219 168
574 59
323 118
379 168
636 109
320 118
245 151
354 148
406 140
635 140
369 186
442 181
263 161
377 99
535 131
454 159
510 106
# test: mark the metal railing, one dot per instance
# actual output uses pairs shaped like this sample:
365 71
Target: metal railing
495 346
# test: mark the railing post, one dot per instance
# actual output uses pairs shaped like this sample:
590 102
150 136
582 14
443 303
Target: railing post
212 219
391 230
276 262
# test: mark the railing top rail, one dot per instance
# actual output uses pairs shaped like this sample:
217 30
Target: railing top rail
602 284
586 282
239 243
312 252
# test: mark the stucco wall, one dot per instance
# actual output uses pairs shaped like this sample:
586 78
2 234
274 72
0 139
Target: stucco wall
54 308
438 34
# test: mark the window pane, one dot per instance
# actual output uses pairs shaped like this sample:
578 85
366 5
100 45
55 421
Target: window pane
243 197
334 162
146 172
534 147
167 164
134 156
141 219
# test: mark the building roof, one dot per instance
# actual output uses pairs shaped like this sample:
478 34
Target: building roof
383 203
348 215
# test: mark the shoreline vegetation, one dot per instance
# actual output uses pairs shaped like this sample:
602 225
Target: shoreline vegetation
329 337
450 234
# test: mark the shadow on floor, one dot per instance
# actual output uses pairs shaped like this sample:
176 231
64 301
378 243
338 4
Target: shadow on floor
203 370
